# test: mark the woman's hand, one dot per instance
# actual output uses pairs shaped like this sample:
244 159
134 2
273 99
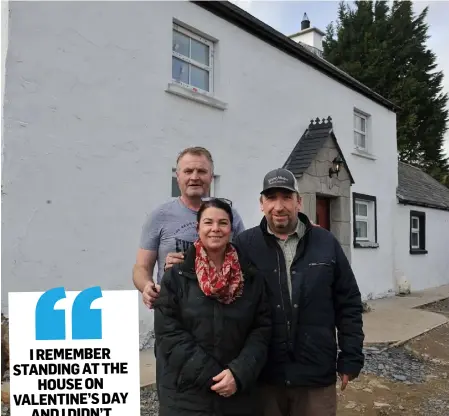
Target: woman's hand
226 385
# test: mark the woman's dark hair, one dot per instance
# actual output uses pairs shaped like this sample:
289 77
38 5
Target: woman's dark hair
216 203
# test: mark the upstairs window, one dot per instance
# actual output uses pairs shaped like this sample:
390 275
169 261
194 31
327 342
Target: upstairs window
360 131
192 60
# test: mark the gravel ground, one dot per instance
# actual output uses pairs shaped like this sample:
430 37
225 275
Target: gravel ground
5 410
396 364
435 406
399 366
149 404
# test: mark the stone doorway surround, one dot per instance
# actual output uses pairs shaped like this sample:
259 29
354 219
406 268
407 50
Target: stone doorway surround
310 161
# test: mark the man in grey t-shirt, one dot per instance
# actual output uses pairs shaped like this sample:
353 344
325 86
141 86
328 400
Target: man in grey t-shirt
171 228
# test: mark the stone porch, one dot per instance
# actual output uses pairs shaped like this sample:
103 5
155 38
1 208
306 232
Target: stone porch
310 161
315 181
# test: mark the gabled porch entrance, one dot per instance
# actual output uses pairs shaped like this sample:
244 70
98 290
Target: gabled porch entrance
325 194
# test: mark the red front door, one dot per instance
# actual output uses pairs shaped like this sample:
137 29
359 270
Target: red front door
323 212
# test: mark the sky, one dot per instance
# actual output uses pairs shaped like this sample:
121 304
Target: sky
286 16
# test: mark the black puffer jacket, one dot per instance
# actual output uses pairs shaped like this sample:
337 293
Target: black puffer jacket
197 337
325 296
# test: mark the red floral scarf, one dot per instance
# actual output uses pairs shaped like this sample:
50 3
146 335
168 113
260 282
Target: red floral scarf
226 284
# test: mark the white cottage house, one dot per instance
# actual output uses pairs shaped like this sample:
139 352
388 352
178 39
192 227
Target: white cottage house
101 96
421 230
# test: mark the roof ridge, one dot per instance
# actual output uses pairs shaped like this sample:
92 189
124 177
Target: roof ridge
234 14
412 166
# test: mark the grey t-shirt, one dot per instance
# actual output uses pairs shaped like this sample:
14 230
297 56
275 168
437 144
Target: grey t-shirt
172 228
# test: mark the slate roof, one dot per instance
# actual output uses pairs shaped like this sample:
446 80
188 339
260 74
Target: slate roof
416 187
310 144
240 18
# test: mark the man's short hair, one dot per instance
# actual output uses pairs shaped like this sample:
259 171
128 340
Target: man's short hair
197 151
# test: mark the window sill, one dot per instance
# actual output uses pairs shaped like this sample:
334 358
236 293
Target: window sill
363 153
365 244
417 251
181 91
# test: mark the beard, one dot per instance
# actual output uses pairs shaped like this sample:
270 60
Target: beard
282 226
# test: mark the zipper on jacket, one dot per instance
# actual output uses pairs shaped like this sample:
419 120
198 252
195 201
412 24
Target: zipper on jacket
281 290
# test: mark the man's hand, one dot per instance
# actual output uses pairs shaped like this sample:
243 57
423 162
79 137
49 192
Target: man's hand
150 293
226 385
173 258
345 379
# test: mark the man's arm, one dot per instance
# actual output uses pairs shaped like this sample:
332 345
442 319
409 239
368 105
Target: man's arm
348 313
147 256
143 276
144 268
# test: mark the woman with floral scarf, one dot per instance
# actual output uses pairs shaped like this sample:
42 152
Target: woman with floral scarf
212 325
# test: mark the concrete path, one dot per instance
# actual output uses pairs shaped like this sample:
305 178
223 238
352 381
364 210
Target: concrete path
147 367
395 319
391 320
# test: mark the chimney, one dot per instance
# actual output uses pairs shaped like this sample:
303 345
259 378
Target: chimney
309 36
305 23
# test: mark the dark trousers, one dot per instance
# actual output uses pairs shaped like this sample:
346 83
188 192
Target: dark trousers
298 401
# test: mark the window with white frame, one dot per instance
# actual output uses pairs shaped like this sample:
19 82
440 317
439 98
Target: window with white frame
365 220
414 232
192 60
360 131
417 232
175 191
361 220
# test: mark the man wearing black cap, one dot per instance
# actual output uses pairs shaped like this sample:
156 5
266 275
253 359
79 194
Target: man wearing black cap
313 292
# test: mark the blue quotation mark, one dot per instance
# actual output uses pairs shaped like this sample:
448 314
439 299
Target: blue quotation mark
86 322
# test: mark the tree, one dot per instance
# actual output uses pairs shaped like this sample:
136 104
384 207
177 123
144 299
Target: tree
386 50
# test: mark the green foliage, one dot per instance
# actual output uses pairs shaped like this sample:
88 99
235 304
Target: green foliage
385 48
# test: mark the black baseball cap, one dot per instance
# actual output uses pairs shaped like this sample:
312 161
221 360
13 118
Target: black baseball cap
280 178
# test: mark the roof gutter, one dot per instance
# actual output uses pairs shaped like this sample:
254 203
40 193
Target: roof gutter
256 27
405 201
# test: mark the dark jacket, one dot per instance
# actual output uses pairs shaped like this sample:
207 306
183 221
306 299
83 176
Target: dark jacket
325 296
197 337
